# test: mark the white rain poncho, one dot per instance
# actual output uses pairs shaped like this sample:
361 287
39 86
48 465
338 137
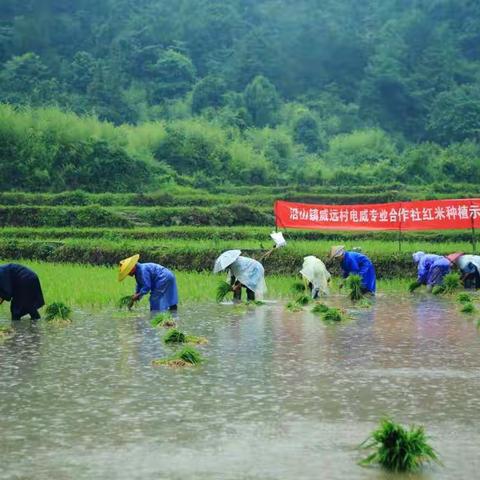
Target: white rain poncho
316 273
464 260
250 273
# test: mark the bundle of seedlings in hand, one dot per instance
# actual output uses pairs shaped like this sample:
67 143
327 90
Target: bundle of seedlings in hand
397 448
333 315
163 319
451 282
413 286
223 290
320 308
176 336
298 287
58 312
468 308
354 284
126 302
186 357
464 298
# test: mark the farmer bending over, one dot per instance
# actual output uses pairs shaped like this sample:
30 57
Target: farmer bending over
431 269
354 263
153 278
469 266
316 274
243 272
21 286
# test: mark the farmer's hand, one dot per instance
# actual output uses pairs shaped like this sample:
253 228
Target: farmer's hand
236 287
135 298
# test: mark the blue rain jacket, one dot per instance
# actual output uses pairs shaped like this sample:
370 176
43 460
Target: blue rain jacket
357 264
425 267
161 284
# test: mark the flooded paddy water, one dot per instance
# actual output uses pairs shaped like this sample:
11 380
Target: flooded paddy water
280 395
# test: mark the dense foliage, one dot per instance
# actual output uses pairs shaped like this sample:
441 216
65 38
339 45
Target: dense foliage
205 92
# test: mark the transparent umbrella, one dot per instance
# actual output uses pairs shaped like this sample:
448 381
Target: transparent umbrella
225 260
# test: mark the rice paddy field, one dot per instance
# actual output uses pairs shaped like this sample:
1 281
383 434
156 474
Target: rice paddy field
287 389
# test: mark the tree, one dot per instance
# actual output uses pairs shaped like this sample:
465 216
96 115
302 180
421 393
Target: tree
208 92
306 131
262 101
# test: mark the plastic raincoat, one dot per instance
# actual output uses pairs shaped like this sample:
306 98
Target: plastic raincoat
316 273
432 268
21 286
251 274
161 284
358 264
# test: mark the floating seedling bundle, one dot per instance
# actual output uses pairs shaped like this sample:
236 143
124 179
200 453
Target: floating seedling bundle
354 285
163 319
413 286
188 356
468 308
223 289
451 283
6 332
398 449
58 312
333 315
177 336
464 298
320 308
298 303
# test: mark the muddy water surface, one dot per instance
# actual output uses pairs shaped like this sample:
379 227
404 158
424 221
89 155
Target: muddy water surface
280 395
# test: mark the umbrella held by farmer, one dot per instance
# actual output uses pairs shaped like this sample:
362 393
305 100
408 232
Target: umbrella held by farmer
243 272
151 278
355 263
21 287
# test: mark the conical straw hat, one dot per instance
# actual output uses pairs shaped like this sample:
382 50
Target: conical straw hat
126 266
337 251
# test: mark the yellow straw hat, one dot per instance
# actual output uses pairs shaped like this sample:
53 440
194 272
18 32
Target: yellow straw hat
337 251
126 266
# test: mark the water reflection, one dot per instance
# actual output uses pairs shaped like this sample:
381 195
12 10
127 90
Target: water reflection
280 395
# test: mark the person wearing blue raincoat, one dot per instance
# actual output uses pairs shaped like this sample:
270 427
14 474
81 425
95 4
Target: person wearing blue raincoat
355 263
151 278
431 269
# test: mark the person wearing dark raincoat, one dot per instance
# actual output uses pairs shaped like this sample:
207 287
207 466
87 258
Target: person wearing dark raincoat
21 287
431 269
355 263
151 278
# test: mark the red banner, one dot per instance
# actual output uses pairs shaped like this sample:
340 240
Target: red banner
421 215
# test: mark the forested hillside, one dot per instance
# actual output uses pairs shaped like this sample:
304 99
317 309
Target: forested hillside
272 92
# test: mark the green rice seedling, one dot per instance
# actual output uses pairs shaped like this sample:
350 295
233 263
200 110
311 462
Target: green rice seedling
294 307
303 300
126 302
320 308
298 287
255 303
354 284
365 303
398 449
195 340
333 315
451 282
464 298
438 290
174 336
163 319
413 286
223 289
6 332
188 356
468 308
58 312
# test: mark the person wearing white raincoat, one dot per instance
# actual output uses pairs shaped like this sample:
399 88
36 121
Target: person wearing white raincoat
242 272
316 274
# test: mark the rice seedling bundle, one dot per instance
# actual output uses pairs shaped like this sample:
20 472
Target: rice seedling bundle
163 319
223 289
6 332
188 356
464 298
303 300
398 449
58 311
468 308
320 308
174 336
365 303
333 315
451 282
438 289
413 286
126 302
354 284
294 307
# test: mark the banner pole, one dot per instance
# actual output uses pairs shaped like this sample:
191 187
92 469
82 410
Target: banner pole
400 238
